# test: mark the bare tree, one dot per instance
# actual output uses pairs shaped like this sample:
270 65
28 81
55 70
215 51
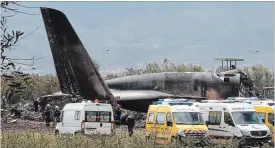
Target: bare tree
13 79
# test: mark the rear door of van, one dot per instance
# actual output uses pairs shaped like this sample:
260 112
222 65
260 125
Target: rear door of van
105 119
98 120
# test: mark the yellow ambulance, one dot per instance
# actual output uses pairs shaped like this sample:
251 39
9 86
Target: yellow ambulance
166 123
266 113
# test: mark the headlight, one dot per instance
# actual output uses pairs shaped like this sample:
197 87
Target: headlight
180 132
245 132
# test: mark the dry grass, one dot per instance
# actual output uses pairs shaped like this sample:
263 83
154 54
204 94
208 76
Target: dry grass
31 139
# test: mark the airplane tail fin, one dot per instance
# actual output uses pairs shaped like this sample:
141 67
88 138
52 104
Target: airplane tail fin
76 71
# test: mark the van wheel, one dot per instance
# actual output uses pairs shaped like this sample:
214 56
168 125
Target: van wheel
173 140
56 133
76 134
147 138
238 142
199 145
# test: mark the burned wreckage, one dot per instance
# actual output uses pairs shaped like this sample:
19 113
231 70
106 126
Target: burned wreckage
78 75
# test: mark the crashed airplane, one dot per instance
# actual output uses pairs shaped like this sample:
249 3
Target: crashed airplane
78 75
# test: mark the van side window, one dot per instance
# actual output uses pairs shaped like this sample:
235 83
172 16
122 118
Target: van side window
168 117
261 115
160 118
214 118
77 115
91 116
270 117
227 117
151 118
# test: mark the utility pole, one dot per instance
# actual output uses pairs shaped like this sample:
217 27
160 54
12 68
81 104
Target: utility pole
104 52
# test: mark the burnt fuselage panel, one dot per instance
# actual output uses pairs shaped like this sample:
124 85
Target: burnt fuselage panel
201 84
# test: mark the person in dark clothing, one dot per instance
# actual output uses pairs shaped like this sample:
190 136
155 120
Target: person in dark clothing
118 114
35 104
233 67
123 121
130 124
57 113
43 104
47 115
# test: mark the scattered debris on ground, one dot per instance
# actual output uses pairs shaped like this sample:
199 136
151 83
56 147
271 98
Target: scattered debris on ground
22 125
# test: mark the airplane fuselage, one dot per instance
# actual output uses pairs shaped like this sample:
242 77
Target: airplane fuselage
200 84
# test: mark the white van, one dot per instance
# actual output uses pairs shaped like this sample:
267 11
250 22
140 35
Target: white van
210 101
263 102
86 118
234 120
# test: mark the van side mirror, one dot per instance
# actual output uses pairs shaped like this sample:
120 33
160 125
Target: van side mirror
230 123
169 123
263 120
206 123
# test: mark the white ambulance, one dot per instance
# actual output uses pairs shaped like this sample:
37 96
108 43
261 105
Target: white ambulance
86 118
238 120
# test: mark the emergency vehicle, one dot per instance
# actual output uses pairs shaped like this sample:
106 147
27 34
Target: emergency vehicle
266 114
168 123
238 120
86 118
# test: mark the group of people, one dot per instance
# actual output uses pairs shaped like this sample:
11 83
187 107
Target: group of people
48 114
124 120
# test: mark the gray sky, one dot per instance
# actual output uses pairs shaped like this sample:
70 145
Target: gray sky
138 32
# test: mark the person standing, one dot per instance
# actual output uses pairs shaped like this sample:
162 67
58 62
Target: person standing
47 115
123 122
118 115
35 104
57 114
130 124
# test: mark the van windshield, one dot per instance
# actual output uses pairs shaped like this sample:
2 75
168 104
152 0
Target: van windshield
250 117
97 116
194 118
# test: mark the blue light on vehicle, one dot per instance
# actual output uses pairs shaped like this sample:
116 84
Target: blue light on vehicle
171 103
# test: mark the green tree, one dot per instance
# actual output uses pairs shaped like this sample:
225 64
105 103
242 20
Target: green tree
261 76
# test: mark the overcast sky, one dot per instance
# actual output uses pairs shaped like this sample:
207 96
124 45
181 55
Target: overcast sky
138 32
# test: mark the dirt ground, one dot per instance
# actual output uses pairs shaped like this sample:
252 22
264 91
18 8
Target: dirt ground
22 125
